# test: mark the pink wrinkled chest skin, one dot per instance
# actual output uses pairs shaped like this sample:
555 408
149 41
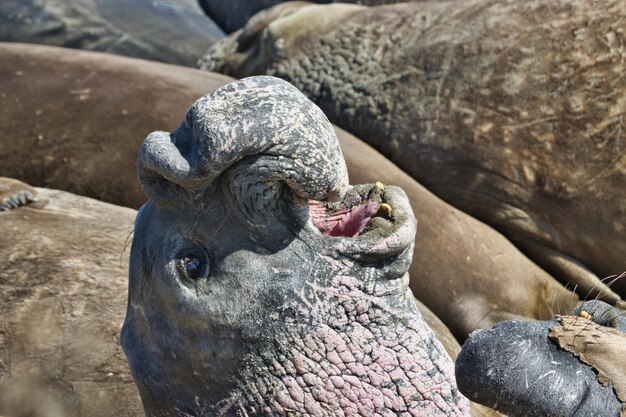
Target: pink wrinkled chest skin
359 355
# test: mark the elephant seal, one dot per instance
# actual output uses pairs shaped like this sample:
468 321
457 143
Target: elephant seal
572 366
174 31
240 208
63 290
88 146
510 111
233 15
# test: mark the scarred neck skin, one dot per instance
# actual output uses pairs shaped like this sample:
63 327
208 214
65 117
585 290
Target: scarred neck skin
340 336
364 361
353 346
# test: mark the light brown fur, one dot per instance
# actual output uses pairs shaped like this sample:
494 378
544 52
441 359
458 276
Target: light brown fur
63 285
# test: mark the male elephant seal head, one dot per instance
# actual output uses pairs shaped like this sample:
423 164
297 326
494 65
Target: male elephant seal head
251 293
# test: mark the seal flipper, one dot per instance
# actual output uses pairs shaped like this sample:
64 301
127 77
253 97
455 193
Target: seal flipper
15 193
602 348
569 272
518 370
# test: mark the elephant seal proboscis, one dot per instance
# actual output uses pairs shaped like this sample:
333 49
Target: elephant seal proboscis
574 365
261 283
510 111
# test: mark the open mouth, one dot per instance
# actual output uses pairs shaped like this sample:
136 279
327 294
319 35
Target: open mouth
361 209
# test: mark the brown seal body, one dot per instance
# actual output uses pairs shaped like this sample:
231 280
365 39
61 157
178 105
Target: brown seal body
463 270
74 120
511 111
63 284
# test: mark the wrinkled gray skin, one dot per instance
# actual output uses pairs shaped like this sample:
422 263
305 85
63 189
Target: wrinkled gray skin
173 31
518 370
511 111
272 317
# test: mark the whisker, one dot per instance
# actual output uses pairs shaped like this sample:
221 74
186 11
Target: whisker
572 294
595 285
608 286
202 213
127 242
230 209
622 314
604 331
558 306
620 276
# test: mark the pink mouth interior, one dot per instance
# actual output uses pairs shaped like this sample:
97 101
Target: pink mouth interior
346 221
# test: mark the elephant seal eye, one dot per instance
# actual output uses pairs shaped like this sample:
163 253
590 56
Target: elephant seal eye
193 264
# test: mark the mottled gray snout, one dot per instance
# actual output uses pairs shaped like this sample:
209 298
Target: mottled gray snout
281 134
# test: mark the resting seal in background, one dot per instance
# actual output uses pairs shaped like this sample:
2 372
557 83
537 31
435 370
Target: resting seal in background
174 31
251 295
70 119
573 366
63 287
234 14
511 111
88 113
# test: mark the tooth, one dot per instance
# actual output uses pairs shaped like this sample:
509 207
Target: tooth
380 185
585 315
385 208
